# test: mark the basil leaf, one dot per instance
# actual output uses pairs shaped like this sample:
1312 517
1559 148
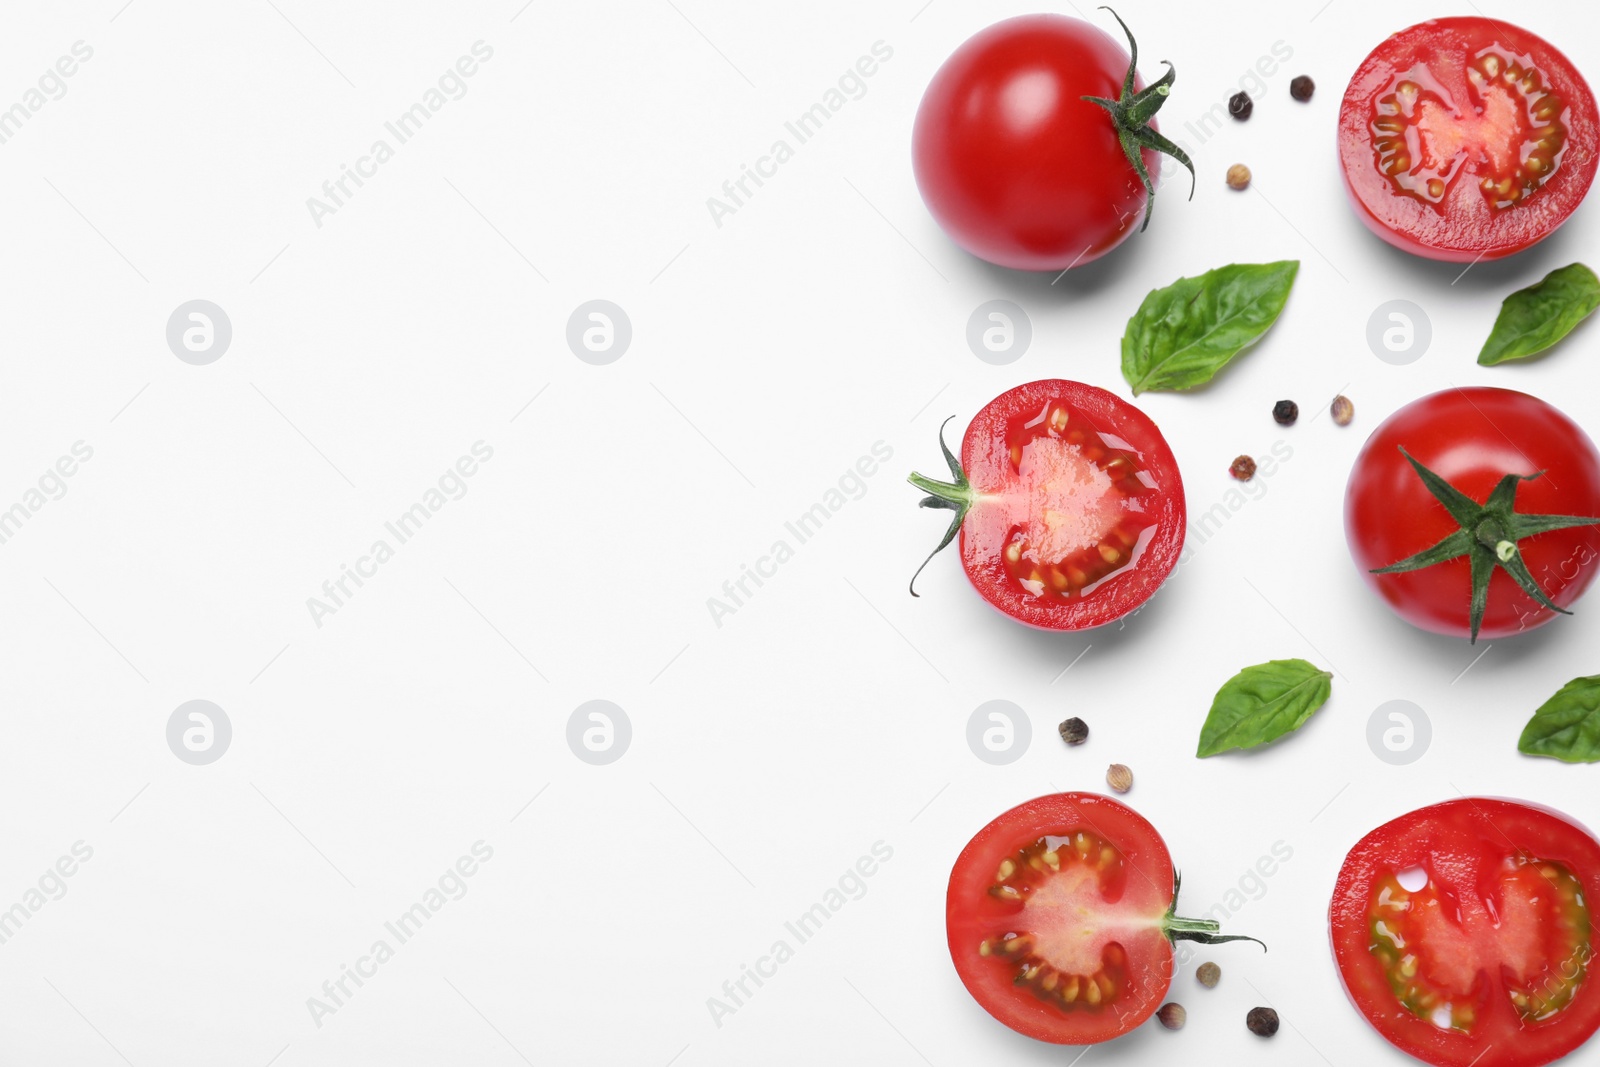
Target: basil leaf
1262 703
1533 319
1567 726
1182 335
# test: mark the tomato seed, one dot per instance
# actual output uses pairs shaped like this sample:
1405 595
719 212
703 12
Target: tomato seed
1240 105
1238 176
1301 88
1119 777
1172 1016
1263 1022
1074 731
1208 974
1285 412
1243 468
1342 410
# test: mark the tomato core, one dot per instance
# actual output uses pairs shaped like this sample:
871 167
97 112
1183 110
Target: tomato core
1062 945
1532 936
1508 132
1073 513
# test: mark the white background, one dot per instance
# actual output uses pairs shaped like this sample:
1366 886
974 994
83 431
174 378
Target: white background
768 354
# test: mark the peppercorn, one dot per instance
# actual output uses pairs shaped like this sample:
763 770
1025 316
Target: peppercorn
1285 412
1172 1016
1118 777
1263 1022
1343 411
1302 88
1243 468
1240 105
1238 176
1074 731
1209 974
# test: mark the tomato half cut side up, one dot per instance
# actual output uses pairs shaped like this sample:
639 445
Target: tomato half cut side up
1068 503
1466 138
1463 934
1060 915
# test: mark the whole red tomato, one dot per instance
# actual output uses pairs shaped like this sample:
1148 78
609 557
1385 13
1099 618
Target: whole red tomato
1466 138
1489 512
1035 145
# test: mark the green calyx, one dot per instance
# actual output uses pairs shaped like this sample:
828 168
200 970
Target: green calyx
1131 115
955 495
1489 536
1202 931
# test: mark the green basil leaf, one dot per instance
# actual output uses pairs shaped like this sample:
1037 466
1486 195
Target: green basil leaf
1567 726
1262 703
1182 335
1533 319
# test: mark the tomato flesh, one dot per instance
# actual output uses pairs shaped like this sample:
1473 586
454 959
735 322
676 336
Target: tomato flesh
1485 960
1079 512
1055 916
1466 138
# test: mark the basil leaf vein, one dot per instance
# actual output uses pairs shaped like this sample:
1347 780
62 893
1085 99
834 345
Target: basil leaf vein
1182 335
1532 320
1567 726
1263 703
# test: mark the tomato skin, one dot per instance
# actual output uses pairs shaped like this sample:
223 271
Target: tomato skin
969 915
1468 229
1013 164
1460 842
1471 438
983 456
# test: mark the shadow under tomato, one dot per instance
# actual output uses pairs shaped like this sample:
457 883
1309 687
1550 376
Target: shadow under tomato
1489 277
1079 283
1063 647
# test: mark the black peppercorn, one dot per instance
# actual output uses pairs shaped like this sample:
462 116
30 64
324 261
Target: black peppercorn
1263 1022
1074 731
1240 106
1302 88
1285 412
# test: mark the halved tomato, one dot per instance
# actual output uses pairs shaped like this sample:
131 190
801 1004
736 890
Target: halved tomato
1462 932
1068 502
1466 138
1061 922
